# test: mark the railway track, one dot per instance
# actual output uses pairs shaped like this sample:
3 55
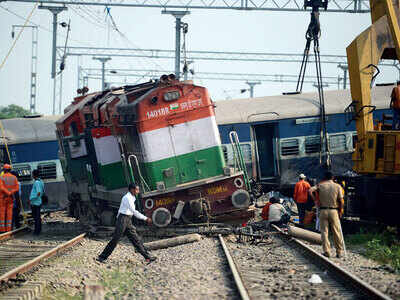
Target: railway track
20 252
281 269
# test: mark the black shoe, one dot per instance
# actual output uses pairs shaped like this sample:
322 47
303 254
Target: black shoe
150 259
101 260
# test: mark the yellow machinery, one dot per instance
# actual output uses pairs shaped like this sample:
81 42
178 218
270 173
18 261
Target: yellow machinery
377 153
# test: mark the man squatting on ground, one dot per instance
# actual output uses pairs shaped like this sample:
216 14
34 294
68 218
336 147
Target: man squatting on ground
331 205
124 226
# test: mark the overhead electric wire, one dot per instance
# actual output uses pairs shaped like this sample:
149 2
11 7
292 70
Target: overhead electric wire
89 20
126 40
19 34
41 26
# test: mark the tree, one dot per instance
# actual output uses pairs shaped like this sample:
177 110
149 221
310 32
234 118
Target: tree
13 111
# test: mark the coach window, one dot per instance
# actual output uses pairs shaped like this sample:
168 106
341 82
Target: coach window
225 152
47 170
312 144
290 147
337 143
355 139
246 151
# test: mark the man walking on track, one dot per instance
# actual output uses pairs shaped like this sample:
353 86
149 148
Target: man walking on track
330 210
35 200
124 226
301 196
8 186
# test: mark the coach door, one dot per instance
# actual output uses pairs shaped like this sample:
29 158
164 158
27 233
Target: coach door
264 139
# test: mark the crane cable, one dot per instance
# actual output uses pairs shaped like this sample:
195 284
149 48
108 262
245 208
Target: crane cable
19 34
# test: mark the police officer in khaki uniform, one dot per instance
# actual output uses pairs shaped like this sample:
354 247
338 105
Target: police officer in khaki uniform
331 207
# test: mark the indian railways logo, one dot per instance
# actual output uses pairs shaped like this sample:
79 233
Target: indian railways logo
174 106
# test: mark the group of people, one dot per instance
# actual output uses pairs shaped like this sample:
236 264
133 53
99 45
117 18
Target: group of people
11 202
328 197
10 206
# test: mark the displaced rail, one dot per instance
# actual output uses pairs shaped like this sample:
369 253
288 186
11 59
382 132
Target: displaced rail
19 255
347 278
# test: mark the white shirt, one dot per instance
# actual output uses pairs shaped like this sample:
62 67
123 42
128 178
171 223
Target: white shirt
127 207
275 213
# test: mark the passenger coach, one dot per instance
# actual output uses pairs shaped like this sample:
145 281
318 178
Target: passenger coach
32 144
280 135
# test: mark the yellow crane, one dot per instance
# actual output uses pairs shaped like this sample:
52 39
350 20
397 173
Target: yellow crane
377 152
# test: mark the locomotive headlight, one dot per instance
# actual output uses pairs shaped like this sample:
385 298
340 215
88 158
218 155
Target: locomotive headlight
171 96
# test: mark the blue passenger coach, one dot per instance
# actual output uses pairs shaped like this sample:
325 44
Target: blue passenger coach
32 144
280 135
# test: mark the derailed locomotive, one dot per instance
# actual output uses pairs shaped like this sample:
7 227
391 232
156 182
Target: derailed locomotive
161 135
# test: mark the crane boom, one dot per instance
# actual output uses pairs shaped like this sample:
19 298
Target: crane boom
376 151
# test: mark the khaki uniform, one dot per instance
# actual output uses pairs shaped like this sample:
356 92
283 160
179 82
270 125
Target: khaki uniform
330 197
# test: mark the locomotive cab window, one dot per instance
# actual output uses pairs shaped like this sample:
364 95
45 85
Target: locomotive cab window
171 96
290 147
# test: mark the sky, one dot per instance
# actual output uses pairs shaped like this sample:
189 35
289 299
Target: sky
210 30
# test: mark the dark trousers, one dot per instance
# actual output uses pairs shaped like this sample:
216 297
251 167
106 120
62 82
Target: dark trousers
16 220
122 227
36 218
301 208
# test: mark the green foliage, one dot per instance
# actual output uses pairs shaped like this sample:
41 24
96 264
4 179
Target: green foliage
382 247
13 111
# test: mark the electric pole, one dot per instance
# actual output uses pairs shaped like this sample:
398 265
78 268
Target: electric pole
32 95
55 10
344 69
251 85
178 26
103 61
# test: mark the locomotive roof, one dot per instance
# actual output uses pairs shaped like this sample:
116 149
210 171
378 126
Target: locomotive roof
291 106
29 130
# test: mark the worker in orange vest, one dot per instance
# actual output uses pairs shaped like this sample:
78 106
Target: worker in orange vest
301 197
395 106
8 186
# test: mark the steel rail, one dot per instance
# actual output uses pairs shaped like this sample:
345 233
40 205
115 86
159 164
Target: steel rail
10 234
33 262
236 276
347 277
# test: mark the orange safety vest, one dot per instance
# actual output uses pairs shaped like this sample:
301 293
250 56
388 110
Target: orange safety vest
301 191
395 98
10 183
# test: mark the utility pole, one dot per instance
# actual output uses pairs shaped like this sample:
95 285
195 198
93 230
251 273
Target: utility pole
178 26
32 95
55 10
344 69
251 85
103 61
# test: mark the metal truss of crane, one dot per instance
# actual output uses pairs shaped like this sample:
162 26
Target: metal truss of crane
96 73
343 6
206 55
